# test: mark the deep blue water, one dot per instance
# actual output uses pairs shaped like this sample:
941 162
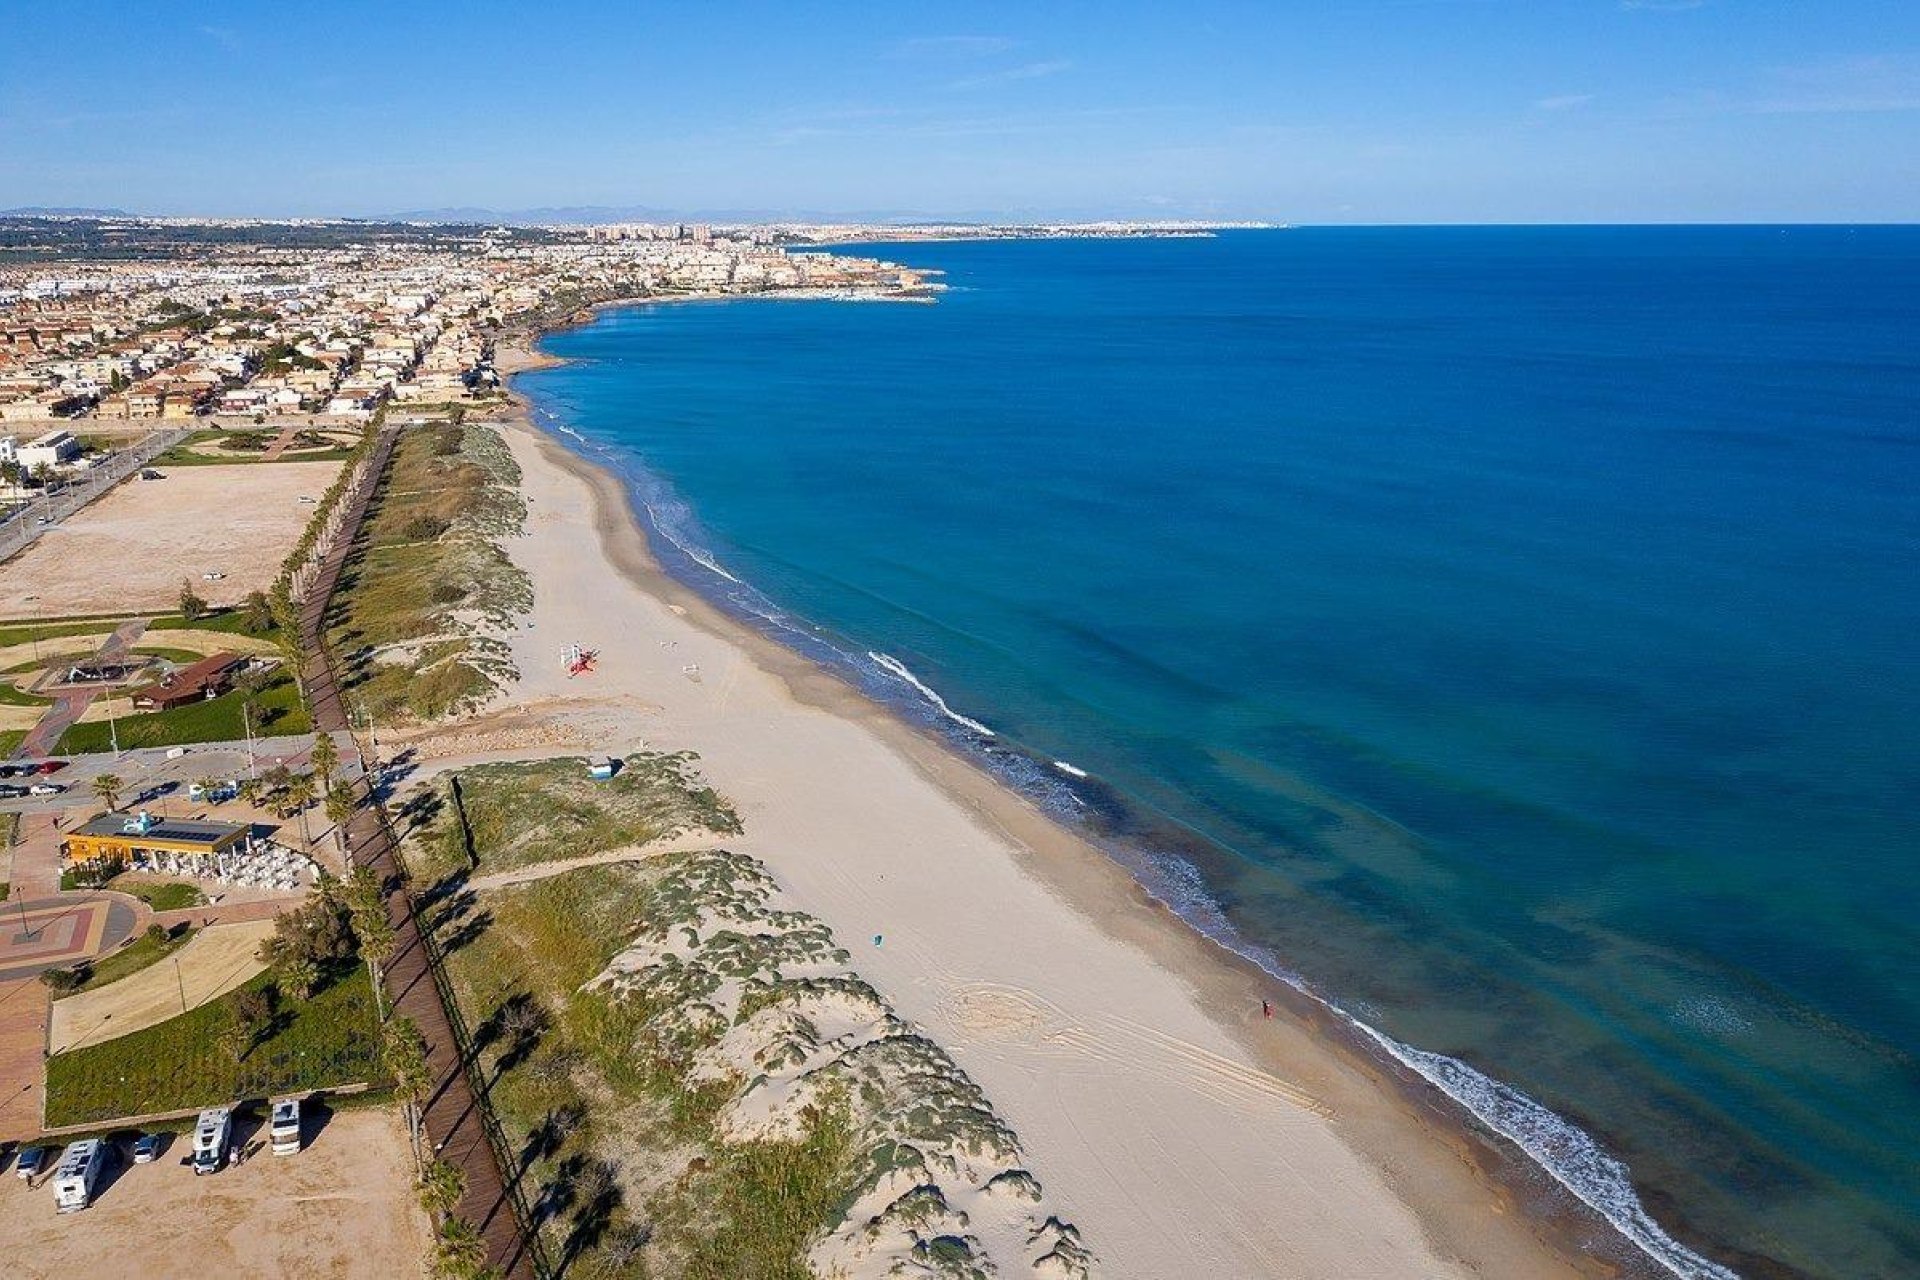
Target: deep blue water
1521 622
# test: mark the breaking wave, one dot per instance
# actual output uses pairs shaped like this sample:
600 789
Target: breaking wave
888 662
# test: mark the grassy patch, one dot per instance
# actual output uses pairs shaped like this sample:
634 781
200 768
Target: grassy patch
229 620
24 633
185 657
170 895
278 710
330 1040
143 952
521 813
14 697
10 740
426 579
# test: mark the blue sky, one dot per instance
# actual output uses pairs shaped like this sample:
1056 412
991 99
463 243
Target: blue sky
1331 111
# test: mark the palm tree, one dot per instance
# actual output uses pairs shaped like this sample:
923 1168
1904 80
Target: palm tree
441 1186
108 787
339 809
405 1056
326 758
299 794
367 915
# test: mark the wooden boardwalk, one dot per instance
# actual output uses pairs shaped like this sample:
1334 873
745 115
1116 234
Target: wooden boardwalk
457 1127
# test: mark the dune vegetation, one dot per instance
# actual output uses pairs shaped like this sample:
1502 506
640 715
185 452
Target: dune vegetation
426 586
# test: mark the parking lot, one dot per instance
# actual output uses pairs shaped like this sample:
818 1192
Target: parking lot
343 1207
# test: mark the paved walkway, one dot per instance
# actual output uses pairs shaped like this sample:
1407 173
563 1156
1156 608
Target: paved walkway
281 443
36 859
24 1004
70 706
452 1117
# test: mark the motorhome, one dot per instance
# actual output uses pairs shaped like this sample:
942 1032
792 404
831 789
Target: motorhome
210 1136
284 1128
75 1176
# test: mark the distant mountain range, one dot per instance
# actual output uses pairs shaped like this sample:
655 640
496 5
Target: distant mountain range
46 211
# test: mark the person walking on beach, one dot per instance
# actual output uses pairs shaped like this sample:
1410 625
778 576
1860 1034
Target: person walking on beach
1266 1008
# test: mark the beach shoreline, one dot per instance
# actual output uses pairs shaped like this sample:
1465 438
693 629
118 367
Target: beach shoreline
1478 1206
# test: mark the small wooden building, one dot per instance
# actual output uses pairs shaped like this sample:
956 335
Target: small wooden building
117 837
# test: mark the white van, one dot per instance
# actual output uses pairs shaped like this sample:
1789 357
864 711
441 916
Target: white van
75 1176
284 1127
210 1136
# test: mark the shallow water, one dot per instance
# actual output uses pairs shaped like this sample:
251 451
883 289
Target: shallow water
1521 621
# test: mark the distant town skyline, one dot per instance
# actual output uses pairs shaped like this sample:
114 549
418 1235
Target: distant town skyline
1389 111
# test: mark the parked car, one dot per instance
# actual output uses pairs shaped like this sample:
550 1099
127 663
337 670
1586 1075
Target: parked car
284 1127
46 788
30 1162
50 766
11 791
146 1148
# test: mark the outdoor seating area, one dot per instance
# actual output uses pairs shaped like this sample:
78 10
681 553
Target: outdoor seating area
261 865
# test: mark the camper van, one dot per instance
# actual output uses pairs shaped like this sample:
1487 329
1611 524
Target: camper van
210 1140
284 1128
78 1170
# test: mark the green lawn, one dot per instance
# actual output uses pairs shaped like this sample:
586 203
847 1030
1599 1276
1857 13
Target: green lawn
326 1042
215 720
171 895
139 954
177 457
20 698
231 620
10 740
186 657
22 633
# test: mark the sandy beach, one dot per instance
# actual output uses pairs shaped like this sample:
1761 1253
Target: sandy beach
1183 1132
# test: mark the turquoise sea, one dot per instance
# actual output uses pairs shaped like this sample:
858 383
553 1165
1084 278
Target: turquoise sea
1514 634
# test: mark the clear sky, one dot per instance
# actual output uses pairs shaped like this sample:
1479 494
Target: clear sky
1292 110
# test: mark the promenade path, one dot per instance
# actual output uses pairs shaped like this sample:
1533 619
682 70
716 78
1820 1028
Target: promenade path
281 443
452 1117
36 859
24 1005
70 706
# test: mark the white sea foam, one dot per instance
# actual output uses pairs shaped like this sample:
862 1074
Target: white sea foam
687 547
1071 770
1562 1150
899 669
1566 1152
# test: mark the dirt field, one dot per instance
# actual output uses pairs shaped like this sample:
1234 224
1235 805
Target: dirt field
129 551
344 1207
213 962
